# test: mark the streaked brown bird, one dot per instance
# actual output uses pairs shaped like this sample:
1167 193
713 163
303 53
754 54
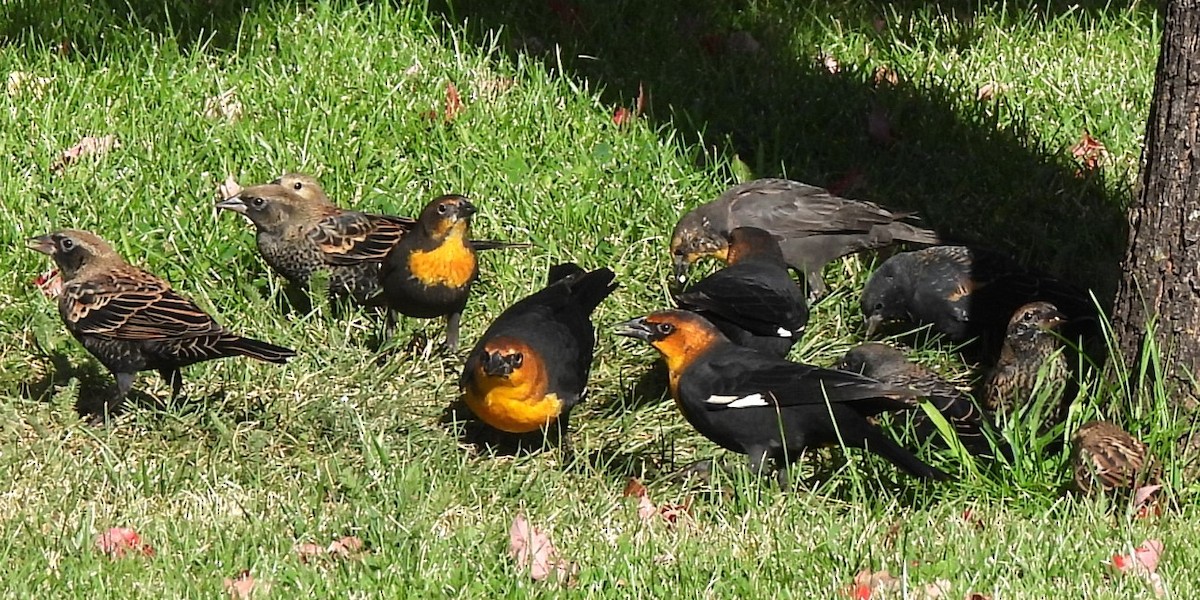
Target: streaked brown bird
813 226
1105 457
132 321
891 366
1031 346
300 233
754 301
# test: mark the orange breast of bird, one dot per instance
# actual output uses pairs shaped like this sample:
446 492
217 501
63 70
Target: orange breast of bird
451 264
517 404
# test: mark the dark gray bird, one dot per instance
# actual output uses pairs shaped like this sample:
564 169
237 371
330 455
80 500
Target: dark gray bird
754 301
1105 457
890 366
813 226
1032 343
964 293
132 321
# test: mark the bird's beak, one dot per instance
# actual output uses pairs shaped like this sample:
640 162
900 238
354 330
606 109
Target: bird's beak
874 322
680 266
42 244
496 365
233 203
635 328
465 209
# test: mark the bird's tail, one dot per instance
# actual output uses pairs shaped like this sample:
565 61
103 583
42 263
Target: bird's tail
904 232
588 289
497 245
256 349
896 454
562 271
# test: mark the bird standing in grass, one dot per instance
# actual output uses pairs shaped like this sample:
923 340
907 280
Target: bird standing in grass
1105 457
531 366
890 366
754 300
814 226
132 321
301 233
1031 347
765 407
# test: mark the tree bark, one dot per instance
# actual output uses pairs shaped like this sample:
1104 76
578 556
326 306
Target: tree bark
1161 269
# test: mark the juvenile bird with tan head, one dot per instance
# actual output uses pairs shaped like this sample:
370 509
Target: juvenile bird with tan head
531 366
132 321
1032 348
765 407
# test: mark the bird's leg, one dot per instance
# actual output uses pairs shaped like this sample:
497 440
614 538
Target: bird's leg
110 407
758 459
389 325
452 323
816 286
174 379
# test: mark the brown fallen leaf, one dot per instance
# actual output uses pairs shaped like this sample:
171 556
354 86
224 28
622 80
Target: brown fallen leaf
228 188
20 82
868 582
1143 562
345 547
671 513
624 115
1089 150
884 74
118 542
977 596
1145 501
990 90
533 551
50 283
88 146
244 586
830 64
454 103
224 106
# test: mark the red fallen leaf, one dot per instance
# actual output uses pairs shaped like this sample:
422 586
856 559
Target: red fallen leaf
1143 562
244 586
624 115
88 146
867 582
118 541
566 11
49 283
634 489
879 126
621 116
971 518
1089 150
532 550
851 180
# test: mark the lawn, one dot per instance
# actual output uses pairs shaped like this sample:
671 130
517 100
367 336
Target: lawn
966 114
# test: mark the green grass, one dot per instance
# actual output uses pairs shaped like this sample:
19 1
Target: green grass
263 457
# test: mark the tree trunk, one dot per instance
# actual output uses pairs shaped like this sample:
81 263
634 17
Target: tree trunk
1161 280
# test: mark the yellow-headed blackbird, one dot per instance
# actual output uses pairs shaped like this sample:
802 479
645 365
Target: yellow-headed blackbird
767 407
1105 457
430 272
531 365
1031 346
814 226
301 232
754 300
963 293
890 366
131 320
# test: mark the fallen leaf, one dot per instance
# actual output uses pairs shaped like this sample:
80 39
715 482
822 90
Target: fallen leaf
640 104
624 115
1089 150
88 146
990 90
65 47
309 552
228 188
634 489
244 586
20 82
977 596
621 116
1144 501
830 63
118 541
879 126
413 70
939 589
970 517
533 550
49 283
1143 562
867 582
345 547
224 106
884 74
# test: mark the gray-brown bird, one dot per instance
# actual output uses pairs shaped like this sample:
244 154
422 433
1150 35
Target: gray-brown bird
813 226
132 321
891 366
300 233
1105 457
1031 346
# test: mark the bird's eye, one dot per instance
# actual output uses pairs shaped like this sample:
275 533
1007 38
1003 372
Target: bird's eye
665 328
878 307
517 360
297 186
442 208
257 202
67 243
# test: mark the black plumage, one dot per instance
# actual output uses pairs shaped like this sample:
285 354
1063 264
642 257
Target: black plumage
754 300
814 227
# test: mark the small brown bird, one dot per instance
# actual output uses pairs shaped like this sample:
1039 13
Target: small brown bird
890 366
814 227
1105 458
430 272
301 232
132 321
1031 345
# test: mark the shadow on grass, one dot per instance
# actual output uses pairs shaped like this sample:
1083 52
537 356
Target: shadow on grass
746 79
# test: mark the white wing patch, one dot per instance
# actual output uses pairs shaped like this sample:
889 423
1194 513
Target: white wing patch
783 333
738 401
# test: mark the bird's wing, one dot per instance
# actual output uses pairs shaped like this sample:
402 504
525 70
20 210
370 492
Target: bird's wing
751 302
798 209
132 305
352 237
